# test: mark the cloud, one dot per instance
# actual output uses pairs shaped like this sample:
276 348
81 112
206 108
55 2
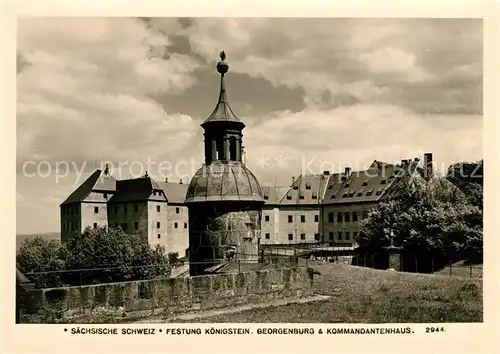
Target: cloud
356 135
334 58
86 94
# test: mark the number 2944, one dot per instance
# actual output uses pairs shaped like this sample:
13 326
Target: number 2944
434 329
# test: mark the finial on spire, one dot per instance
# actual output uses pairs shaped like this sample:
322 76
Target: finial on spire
106 169
222 66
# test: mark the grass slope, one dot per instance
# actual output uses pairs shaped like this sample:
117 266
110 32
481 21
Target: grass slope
364 295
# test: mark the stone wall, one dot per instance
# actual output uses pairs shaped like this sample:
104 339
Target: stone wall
180 295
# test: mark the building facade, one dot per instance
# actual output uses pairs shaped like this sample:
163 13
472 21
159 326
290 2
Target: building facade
153 211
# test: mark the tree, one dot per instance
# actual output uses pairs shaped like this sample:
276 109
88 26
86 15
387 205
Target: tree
47 257
431 220
95 256
111 255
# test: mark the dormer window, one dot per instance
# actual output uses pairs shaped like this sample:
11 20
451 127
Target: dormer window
330 186
314 196
289 197
333 196
266 197
360 194
347 185
383 181
308 186
301 197
295 187
365 184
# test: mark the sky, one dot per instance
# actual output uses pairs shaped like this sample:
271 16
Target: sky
315 94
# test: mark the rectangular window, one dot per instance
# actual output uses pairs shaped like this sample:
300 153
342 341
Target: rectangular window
354 216
116 210
330 217
340 235
105 196
266 218
314 196
347 235
136 208
301 197
125 208
331 236
290 237
175 225
339 217
159 236
95 225
96 210
302 236
347 216
158 208
289 197
158 225
308 186
266 197
290 218
316 218
365 214
302 218
177 210
268 235
185 225
316 237
136 225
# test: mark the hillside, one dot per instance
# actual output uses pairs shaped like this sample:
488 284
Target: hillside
365 295
48 235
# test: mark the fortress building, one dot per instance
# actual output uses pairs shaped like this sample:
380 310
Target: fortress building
224 198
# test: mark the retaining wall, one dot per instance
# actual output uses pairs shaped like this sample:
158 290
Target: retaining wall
180 295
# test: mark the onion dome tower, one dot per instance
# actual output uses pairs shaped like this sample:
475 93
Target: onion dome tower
224 198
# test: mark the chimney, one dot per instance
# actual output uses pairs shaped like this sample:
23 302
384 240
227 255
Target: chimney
293 180
428 166
166 179
326 173
180 182
347 172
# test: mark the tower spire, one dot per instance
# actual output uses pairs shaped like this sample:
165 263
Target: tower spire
222 111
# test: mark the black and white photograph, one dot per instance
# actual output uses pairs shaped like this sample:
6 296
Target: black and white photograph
249 170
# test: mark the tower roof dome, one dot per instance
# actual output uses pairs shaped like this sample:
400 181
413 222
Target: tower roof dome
218 181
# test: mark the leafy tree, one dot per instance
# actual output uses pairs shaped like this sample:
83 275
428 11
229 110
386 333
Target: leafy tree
39 255
111 255
95 256
433 222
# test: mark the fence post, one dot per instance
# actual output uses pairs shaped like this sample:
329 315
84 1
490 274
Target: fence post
364 264
416 265
450 269
373 261
470 271
432 265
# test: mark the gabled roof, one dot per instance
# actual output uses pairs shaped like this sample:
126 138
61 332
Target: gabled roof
137 189
370 185
175 192
98 180
273 194
306 189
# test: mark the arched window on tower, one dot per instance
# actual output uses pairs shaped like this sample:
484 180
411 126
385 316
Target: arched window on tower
220 149
232 149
